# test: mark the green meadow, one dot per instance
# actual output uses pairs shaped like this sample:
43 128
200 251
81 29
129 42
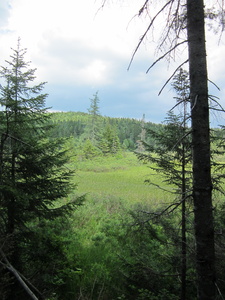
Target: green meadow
102 238
123 177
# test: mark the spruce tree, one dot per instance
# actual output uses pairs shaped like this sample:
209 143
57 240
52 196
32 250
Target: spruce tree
171 155
109 142
33 176
94 121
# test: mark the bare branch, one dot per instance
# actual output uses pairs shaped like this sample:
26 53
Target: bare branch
214 84
171 25
147 30
217 103
158 186
141 10
178 103
168 80
165 54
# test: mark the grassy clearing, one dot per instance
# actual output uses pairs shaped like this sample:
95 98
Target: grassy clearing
115 187
122 177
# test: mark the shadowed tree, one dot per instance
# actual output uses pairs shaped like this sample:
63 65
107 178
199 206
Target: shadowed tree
182 87
170 156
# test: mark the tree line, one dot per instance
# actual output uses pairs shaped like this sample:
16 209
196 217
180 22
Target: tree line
104 135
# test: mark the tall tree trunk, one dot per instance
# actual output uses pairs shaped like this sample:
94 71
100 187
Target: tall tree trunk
202 185
183 223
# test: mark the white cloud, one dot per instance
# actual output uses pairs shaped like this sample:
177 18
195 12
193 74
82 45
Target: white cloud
4 13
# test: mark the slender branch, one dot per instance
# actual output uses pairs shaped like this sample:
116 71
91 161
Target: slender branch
158 186
143 8
183 137
214 84
172 76
147 30
165 54
217 103
178 103
169 209
218 289
169 26
14 138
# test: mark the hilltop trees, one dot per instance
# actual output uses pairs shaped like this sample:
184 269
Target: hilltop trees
102 136
32 173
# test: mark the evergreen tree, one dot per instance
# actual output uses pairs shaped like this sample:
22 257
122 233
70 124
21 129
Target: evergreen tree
109 142
94 112
32 173
182 87
142 137
172 156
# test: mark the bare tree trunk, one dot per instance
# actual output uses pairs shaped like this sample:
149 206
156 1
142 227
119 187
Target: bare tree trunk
202 185
183 222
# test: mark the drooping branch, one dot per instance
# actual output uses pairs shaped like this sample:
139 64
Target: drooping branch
165 54
168 210
212 98
168 80
147 30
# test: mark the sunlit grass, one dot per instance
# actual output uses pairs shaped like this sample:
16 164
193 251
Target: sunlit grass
121 177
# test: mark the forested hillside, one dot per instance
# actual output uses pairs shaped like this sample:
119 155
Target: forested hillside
79 126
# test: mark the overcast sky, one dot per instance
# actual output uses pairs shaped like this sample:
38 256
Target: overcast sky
79 50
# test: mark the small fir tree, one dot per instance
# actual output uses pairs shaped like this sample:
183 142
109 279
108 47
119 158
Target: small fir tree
109 142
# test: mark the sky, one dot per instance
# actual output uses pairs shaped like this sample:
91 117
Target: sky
80 49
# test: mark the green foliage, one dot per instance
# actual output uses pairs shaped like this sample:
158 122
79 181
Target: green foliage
79 125
91 252
94 105
109 142
33 175
171 149
93 126
45 248
121 175
122 254
172 156
88 150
